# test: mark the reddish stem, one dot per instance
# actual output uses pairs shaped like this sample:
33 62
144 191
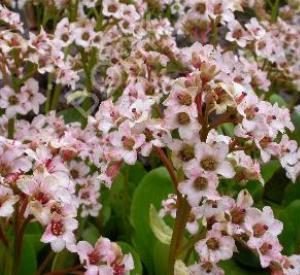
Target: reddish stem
168 164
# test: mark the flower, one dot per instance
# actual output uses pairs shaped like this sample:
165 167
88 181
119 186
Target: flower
59 232
215 247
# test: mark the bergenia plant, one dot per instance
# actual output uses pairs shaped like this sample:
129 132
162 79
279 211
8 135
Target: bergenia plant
149 137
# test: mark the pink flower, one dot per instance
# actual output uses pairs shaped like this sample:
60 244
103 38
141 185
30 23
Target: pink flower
199 186
59 232
211 158
261 222
34 98
255 29
215 247
126 143
237 34
7 201
205 268
13 103
267 247
104 258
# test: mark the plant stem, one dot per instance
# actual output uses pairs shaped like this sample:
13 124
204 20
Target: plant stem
275 11
11 128
168 164
182 215
19 234
3 237
56 95
64 271
45 262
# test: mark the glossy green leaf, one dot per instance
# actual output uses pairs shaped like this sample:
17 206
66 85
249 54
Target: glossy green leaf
231 267
154 187
91 234
62 260
28 263
275 98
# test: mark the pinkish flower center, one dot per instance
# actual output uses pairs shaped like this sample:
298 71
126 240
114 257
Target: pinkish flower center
184 99
209 163
237 34
237 215
4 169
207 267
200 183
85 195
57 228
187 152
85 36
13 100
74 173
56 208
128 142
201 8
264 249
259 229
212 244
112 8
41 197
183 118
94 257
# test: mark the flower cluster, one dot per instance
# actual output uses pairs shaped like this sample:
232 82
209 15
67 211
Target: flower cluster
167 85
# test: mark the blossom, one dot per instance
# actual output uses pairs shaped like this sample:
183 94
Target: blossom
59 232
216 247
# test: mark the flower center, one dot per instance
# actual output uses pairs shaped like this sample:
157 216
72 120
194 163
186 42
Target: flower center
200 183
237 215
259 230
74 173
128 142
237 34
209 163
13 100
41 197
94 257
212 244
184 99
187 152
264 249
112 8
57 228
207 267
183 118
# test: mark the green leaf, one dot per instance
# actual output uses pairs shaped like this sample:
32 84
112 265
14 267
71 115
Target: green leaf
91 234
288 233
274 188
161 230
291 193
28 263
126 248
72 115
246 257
231 267
292 211
160 257
296 121
133 174
63 259
33 234
275 98
154 187
268 169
